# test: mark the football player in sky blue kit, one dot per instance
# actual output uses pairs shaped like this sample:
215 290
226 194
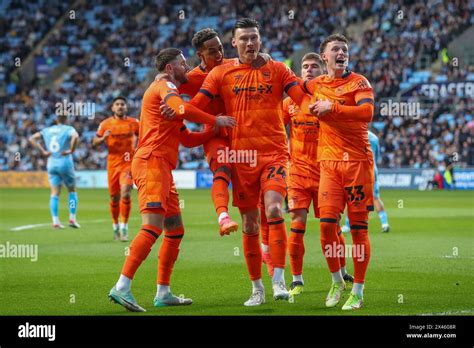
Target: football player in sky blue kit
375 146
61 141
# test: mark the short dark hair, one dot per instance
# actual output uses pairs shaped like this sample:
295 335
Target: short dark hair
332 38
120 97
313 56
165 56
202 36
245 23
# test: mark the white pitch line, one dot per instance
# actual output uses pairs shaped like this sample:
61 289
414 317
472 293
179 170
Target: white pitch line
465 311
29 227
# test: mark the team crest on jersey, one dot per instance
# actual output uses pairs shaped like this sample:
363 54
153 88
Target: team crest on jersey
171 85
267 76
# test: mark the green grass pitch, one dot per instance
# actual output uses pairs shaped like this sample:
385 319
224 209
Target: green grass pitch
424 265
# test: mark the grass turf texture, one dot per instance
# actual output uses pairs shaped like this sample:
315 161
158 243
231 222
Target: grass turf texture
412 269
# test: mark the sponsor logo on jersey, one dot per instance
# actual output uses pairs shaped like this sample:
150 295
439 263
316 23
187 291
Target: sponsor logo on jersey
261 89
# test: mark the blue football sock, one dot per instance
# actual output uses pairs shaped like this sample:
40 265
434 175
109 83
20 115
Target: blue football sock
72 202
383 217
54 206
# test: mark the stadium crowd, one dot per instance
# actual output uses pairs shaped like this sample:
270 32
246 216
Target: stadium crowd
109 50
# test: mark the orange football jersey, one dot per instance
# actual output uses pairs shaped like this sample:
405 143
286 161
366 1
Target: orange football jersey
342 140
121 140
158 135
196 78
304 135
254 98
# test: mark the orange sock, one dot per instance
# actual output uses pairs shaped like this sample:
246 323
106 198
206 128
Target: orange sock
125 206
253 255
342 243
115 211
168 254
277 241
220 192
139 249
329 239
296 247
263 225
361 244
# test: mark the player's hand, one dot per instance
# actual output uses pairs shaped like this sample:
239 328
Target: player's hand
225 121
320 107
46 153
166 111
67 152
261 60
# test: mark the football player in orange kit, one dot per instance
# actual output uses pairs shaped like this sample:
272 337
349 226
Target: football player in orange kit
152 164
258 147
303 181
344 105
119 133
211 54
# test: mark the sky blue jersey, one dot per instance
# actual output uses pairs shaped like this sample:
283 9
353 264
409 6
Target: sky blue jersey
58 139
375 146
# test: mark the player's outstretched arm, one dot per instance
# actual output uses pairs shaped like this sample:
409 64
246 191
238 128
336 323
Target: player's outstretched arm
191 113
188 111
300 97
362 112
34 141
193 139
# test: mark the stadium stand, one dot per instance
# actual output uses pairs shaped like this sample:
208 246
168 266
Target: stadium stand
108 49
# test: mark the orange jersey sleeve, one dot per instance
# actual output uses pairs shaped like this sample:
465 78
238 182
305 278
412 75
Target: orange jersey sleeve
196 78
121 141
193 139
254 98
343 135
158 135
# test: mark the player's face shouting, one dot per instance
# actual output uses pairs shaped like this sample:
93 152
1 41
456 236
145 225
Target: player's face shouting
119 108
213 53
247 41
336 55
180 69
310 69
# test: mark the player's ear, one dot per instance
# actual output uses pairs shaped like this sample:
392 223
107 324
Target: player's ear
234 42
323 57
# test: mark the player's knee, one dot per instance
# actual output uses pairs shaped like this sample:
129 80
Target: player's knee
298 215
250 226
273 210
115 198
173 222
125 195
